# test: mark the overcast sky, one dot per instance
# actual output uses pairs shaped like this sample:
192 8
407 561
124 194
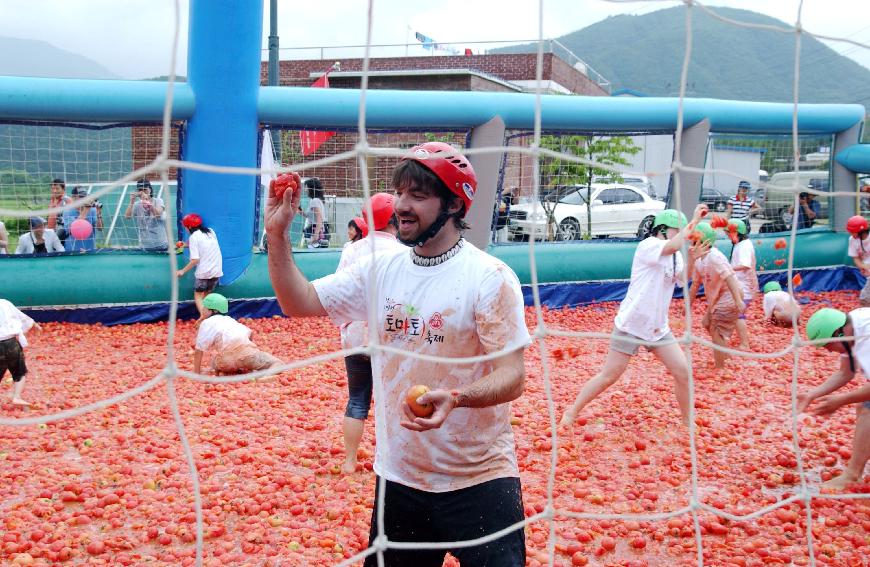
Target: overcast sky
133 38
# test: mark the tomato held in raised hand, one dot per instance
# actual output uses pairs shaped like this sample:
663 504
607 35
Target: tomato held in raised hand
281 184
420 410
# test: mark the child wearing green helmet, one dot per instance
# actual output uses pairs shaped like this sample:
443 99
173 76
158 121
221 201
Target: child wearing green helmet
779 307
743 263
724 297
657 267
228 340
848 335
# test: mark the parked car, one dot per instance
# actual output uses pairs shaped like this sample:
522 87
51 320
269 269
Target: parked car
617 210
714 199
642 182
778 194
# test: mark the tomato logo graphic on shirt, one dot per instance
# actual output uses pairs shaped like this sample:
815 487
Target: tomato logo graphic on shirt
436 321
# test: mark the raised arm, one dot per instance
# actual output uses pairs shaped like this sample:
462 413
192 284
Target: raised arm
676 243
295 294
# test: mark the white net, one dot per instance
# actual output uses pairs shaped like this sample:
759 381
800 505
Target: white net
690 508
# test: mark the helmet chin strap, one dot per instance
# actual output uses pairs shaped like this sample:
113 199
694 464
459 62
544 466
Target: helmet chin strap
433 229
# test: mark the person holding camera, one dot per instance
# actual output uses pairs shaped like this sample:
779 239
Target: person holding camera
88 210
58 198
148 212
808 209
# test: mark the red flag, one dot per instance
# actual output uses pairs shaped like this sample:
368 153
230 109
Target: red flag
311 140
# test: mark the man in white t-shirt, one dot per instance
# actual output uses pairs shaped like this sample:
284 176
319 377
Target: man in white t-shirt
722 292
453 475
656 269
779 307
859 251
229 341
743 263
849 335
381 241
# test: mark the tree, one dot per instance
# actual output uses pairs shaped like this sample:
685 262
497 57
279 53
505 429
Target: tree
562 174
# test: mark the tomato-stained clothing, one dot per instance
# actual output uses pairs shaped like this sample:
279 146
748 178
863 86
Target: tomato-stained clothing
469 305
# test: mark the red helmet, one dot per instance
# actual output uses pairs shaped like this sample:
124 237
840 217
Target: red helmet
857 224
191 221
382 210
361 225
450 166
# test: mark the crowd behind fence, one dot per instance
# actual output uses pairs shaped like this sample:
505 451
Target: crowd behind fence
616 198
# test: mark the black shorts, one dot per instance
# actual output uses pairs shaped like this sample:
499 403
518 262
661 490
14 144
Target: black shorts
205 286
469 513
12 359
359 386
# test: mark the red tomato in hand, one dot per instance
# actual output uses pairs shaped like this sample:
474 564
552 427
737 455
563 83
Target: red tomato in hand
418 409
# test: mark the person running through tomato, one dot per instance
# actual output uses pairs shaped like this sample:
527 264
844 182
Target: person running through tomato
743 263
722 292
779 307
657 267
205 256
13 326
355 334
453 475
859 251
229 341
849 335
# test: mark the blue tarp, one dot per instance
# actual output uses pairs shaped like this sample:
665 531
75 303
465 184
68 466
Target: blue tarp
553 296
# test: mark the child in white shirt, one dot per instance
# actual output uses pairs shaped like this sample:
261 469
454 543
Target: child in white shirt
229 340
743 263
205 256
859 251
13 325
779 307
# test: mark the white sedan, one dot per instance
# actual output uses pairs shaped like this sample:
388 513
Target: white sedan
617 210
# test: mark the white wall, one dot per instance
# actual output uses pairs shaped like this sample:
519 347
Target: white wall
743 164
653 160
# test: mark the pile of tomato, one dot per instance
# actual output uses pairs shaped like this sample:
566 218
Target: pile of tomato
112 487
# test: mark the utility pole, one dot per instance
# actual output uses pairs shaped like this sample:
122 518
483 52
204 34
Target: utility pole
273 77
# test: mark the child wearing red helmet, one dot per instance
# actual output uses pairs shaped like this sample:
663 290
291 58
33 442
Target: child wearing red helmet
381 241
859 251
205 256
453 475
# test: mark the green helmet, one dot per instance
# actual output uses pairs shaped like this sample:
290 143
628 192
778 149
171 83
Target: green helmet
824 323
741 226
216 302
771 286
708 233
671 218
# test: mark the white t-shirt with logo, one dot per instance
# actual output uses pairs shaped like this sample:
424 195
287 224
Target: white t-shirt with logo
860 319
714 269
644 311
469 305
774 299
355 333
219 332
743 255
206 249
859 248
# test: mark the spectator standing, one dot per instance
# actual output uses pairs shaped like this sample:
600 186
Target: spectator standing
4 239
147 210
87 211
741 206
39 240
205 256
58 198
316 229
502 215
808 209
453 475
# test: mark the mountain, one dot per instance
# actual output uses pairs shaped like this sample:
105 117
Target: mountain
645 54
32 58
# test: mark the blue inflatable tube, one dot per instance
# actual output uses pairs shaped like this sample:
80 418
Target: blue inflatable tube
855 158
81 100
394 109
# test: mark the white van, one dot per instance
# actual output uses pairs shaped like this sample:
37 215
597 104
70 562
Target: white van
779 192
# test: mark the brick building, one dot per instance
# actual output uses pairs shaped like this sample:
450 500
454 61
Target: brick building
491 72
